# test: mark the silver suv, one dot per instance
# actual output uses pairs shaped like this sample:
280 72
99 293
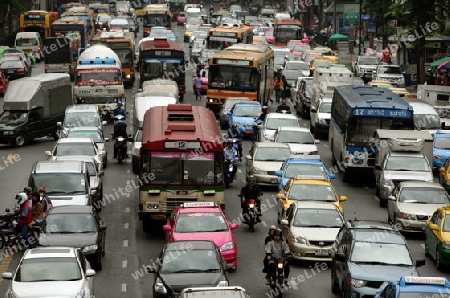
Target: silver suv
80 116
364 67
389 73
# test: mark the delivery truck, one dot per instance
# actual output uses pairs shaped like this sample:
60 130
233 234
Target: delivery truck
437 96
58 56
33 106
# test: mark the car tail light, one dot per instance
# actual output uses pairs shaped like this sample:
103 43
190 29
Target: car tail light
21 70
46 66
38 48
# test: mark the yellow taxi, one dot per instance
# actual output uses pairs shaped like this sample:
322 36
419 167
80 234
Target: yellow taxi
437 237
410 96
307 188
320 62
400 91
327 53
381 84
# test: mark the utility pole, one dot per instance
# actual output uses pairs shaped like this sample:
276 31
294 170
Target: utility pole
360 27
420 46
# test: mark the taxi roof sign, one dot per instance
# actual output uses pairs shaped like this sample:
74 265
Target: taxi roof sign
198 204
305 156
424 280
310 177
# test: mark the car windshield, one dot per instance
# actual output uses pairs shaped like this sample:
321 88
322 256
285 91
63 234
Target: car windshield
407 163
272 154
311 192
318 218
22 42
446 226
247 111
74 149
279 59
291 75
422 121
368 61
201 222
321 63
81 119
69 223
325 107
389 70
296 169
297 66
229 103
442 143
48 269
292 136
95 135
371 252
301 48
275 123
191 261
13 117
61 183
415 195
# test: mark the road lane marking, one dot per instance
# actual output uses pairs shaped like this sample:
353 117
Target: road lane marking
124 287
126 226
125 243
124 264
127 210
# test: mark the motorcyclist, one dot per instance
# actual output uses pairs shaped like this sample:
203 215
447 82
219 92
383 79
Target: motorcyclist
29 192
25 217
45 200
119 110
277 249
120 128
262 117
259 121
231 154
267 240
251 191
283 107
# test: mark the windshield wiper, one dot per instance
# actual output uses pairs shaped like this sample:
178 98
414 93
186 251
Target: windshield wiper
316 226
187 271
218 230
211 270
374 263
270 159
74 192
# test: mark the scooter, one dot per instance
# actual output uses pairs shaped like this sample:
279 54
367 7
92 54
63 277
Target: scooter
121 139
277 277
9 236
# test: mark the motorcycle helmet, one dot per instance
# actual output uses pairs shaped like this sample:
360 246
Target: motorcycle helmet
21 198
27 189
251 179
278 232
119 102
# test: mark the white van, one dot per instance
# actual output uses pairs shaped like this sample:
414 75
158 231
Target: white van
425 117
161 87
120 23
30 43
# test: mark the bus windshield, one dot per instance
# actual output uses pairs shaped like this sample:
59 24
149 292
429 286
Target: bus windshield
157 19
362 130
233 78
288 32
125 57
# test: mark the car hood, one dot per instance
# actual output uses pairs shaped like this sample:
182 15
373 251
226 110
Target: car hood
178 281
372 67
72 240
245 120
61 200
316 234
303 149
380 272
268 165
219 238
10 125
408 175
55 289
419 209
324 115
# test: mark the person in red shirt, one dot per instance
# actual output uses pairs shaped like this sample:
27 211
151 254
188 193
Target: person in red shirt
25 218
386 56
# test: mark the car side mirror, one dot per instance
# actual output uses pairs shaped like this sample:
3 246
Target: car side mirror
342 198
7 275
102 227
48 153
90 272
378 167
248 156
420 262
93 192
7 210
332 176
278 173
392 198
107 139
433 227
284 222
234 226
340 257
167 228
150 269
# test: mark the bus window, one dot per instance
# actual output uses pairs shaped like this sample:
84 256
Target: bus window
234 78
152 69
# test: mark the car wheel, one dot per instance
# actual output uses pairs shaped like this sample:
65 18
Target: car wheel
20 141
427 248
334 285
439 264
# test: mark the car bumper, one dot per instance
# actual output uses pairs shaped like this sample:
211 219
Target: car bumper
264 179
310 253
248 131
364 292
408 225
230 256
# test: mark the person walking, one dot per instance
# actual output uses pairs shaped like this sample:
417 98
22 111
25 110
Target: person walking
278 87
198 87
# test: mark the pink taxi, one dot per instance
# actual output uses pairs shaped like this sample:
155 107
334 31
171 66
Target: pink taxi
269 36
181 18
204 77
3 83
203 221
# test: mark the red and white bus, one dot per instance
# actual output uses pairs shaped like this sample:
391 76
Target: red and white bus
286 30
181 160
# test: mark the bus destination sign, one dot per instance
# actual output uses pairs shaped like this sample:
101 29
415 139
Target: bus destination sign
233 62
34 19
382 113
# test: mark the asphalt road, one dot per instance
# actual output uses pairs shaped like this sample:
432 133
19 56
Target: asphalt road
128 248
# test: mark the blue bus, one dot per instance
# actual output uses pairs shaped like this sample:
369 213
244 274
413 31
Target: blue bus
74 29
356 114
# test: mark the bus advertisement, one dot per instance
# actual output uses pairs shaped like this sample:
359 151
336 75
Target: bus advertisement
241 70
156 15
122 43
162 59
286 30
74 29
181 160
36 21
356 114
225 35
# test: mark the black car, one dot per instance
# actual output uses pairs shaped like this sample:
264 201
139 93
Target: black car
14 69
184 264
367 255
75 226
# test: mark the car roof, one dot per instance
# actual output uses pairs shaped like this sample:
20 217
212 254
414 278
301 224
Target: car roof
420 184
316 180
369 224
293 128
247 103
85 158
74 140
388 236
271 145
82 108
59 166
50 252
193 244
281 115
414 154
305 161
199 209
73 209
315 205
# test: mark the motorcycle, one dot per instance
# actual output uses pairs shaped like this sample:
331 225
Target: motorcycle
251 217
229 172
277 277
9 235
121 138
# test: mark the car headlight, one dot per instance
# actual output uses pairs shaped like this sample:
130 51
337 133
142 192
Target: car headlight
128 76
446 245
159 286
227 246
357 283
222 283
407 216
80 294
89 248
300 240
8 132
259 171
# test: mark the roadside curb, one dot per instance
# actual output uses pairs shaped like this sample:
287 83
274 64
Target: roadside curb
4 264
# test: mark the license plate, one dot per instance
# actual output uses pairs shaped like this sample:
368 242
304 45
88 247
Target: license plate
321 252
10 70
158 216
249 131
274 180
98 90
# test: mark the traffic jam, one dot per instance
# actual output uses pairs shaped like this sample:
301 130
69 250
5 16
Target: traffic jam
189 132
